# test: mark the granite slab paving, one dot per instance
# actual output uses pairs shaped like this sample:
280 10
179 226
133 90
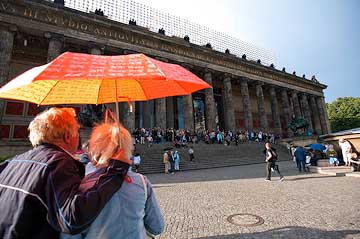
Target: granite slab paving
197 204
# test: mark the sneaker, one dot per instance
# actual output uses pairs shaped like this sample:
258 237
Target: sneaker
282 179
267 180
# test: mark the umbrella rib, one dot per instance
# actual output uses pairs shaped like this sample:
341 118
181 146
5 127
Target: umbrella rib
47 94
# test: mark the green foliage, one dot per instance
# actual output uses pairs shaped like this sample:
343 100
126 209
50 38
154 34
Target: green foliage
344 113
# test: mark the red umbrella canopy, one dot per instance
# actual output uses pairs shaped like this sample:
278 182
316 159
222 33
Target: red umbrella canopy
75 78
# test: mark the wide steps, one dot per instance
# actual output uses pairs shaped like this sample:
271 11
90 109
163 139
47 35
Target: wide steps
206 156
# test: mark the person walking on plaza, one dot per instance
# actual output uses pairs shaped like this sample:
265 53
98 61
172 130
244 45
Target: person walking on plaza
346 151
43 191
133 211
300 158
270 158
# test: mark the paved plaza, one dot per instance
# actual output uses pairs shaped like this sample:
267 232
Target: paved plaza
197 204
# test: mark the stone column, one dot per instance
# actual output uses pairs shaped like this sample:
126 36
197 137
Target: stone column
170 112
127 117
210 103
306 111
322 115
160 113
188 112
146 114
295 99
55 47
6 47
95 50
188 107
261 107
328 127
275 111
228 104
315 116
287 113
246 104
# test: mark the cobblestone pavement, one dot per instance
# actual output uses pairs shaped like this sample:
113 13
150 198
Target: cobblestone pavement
196 204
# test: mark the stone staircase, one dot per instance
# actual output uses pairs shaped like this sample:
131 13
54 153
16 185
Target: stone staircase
206 156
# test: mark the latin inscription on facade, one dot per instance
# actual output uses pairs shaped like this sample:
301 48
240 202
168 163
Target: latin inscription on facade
52 17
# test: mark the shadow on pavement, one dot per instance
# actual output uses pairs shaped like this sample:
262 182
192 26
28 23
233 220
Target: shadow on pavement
292 233
253 171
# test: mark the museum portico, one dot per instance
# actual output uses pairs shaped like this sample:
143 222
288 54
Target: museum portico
245 95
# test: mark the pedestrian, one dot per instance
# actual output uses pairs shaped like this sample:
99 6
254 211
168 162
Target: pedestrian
191 153
133 210
176 157
137 161
171 162
166 161
270 158
300 158
346 151
43 191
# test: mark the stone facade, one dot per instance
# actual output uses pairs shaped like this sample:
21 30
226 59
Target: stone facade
60 29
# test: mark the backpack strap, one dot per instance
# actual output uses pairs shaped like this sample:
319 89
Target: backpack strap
144 184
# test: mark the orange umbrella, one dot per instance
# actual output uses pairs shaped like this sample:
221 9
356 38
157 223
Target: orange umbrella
74 78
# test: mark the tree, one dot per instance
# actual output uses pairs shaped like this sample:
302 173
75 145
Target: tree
344 113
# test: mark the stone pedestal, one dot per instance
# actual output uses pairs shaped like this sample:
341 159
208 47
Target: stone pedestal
228 105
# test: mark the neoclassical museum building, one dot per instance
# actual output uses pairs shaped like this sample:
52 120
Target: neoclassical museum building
245 94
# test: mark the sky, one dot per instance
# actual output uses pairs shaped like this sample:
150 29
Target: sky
311 37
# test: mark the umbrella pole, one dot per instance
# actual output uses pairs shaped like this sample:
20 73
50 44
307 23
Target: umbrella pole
118 118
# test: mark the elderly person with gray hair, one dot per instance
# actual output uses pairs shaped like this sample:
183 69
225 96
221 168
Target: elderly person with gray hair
43 191
133 210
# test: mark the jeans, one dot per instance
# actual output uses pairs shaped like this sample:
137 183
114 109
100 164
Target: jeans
300 165
270 165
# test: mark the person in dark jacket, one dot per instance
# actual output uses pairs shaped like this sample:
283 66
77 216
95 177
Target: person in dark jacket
300 156
43 191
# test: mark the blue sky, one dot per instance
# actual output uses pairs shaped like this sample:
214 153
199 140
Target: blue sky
312 37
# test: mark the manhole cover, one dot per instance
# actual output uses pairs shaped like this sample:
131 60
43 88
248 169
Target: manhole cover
245 220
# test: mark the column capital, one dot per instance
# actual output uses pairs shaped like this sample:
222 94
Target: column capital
187 66
208 70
